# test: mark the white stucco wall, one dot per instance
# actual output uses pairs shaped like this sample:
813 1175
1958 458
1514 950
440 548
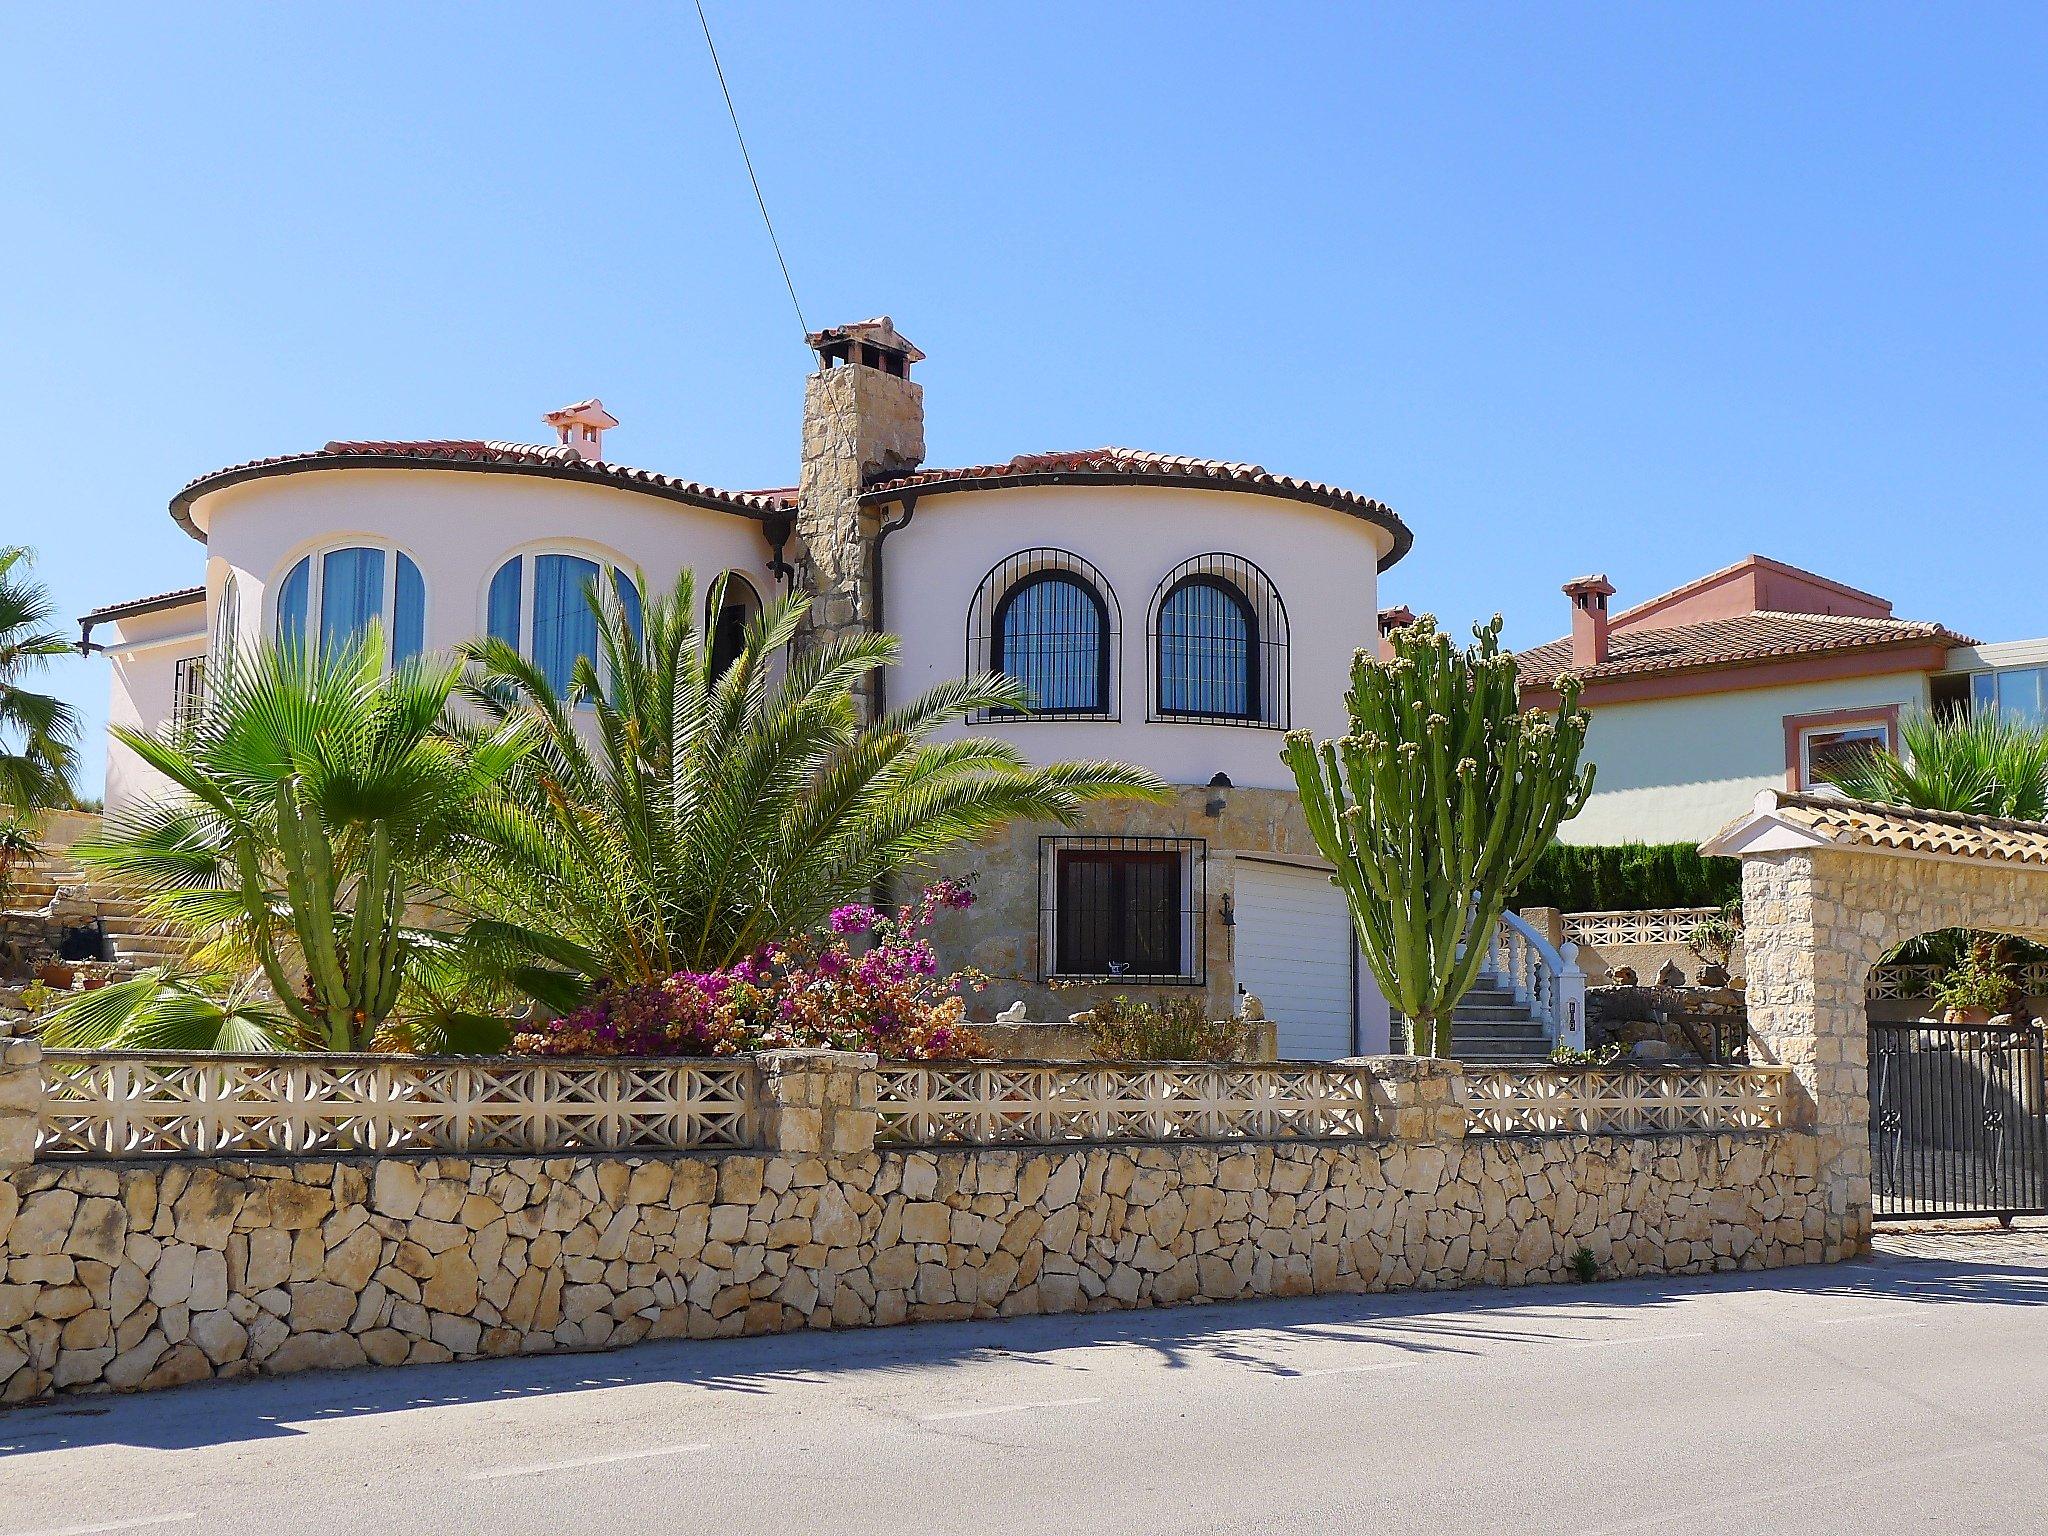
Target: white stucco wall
143 653
459 528
1323 563
1678 770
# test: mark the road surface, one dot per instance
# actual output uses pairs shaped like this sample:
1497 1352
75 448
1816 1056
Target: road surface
1902 1394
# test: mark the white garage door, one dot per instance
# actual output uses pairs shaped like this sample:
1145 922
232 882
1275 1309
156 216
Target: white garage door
1294 953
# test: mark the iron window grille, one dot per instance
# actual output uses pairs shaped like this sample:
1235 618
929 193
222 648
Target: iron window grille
1048 619
1123 909
1219 645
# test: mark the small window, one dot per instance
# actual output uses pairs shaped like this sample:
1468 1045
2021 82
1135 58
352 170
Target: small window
1829 750
1122 909
188 692
738 604
1219 645
540 605
1048 619
330 598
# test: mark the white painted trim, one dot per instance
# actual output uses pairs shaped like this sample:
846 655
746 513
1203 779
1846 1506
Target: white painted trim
135 647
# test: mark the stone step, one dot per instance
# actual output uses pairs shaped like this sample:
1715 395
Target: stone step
1488 1012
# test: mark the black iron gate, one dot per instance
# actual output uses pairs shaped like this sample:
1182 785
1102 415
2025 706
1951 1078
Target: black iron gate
1957 1123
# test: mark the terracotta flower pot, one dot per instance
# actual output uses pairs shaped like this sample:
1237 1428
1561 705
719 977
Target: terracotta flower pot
55 973
1966 1016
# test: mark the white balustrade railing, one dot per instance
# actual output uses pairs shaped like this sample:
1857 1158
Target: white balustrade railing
1662 925
936 1103
1545 978
151 1103
1625 1101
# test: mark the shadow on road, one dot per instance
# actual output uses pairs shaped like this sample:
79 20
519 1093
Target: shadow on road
1259 1335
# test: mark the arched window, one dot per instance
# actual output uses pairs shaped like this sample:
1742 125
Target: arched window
1052 635
1219 636
539 604
1049 620
331 597
738 606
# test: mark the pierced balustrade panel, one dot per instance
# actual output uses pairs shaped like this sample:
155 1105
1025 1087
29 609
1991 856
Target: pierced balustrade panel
1911 981
1665 925
1049 1102
1517 1101
155 1104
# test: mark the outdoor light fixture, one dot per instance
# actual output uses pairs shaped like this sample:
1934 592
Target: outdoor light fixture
1216 801
1229 916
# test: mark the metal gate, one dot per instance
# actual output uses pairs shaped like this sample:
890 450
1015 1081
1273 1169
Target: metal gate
1957 1123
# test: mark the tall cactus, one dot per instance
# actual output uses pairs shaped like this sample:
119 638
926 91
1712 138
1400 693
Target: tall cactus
1435 806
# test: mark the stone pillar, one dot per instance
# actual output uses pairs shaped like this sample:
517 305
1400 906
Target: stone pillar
1417 1098
1807 1012
1548 921
861 425
21 1102
816 1103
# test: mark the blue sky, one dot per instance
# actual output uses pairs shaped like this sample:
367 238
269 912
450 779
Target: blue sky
1632 288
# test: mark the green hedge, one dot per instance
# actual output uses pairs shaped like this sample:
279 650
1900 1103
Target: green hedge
1629 877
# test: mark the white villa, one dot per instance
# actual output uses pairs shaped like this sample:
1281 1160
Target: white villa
1177 613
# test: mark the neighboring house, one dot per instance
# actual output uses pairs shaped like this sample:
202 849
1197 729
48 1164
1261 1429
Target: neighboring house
1177 613
1759 676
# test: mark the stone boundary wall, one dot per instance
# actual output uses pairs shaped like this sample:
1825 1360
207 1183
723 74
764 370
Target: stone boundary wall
151 1273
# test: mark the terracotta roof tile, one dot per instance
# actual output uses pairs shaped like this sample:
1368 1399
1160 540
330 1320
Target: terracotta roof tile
1759 636
1111 465
177 597
1860 823
551 459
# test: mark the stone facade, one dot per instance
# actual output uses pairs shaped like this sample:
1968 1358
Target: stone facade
860 425
132 1275
1000 933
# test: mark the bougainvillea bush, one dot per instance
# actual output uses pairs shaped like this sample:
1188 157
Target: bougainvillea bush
869 982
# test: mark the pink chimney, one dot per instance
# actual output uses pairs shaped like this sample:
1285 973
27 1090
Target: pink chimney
582 427
1589 596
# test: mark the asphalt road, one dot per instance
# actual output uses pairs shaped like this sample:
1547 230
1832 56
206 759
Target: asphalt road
1902 1394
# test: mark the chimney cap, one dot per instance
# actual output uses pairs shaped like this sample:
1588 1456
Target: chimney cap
880 333
1392 619
584 413
1583 584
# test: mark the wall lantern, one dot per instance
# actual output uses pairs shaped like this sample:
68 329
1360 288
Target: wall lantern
1216 802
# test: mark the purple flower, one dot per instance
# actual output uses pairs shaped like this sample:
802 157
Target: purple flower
853 919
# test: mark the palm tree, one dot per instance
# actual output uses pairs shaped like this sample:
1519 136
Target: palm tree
673 816
38 732
315 791
173 1008
1983 764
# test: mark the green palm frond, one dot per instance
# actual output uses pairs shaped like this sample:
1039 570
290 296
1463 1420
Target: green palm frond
672 816
172 1009
38 731
1984 764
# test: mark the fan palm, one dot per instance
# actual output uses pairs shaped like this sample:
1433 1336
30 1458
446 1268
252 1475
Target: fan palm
38 732
313 791
172 1008
674 815
1984 764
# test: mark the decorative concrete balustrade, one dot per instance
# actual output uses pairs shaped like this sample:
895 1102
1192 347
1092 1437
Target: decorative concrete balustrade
123 1104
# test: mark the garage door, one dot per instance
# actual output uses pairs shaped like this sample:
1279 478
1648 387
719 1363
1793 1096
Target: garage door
1294 952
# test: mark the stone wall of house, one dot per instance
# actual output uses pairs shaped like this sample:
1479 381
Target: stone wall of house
139 1275
1000 933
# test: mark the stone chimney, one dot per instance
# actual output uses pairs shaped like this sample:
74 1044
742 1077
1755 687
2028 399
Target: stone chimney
581 427
863 423
1589 596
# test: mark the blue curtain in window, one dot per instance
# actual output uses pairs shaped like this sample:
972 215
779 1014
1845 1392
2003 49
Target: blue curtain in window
629 600
409 621
1049 637
291 604
1205 652
351 594
502 619
564 627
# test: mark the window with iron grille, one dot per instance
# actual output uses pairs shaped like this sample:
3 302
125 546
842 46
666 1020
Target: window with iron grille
1048 619
1219 645
188 692
1126 909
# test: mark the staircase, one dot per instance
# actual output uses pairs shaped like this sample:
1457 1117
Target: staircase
1489 1025
137 944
